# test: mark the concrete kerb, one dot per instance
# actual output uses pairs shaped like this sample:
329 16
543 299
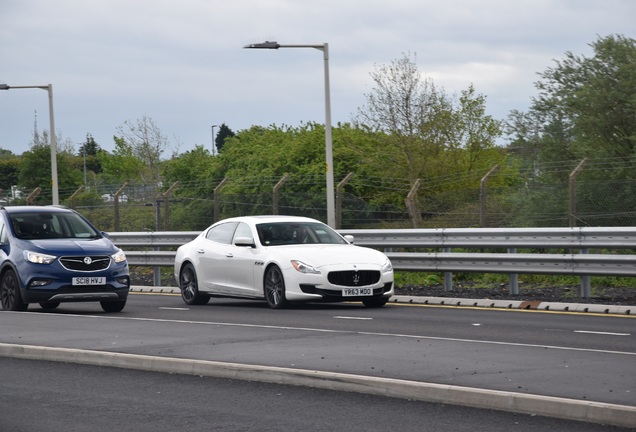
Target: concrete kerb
570 409
517 304
483 303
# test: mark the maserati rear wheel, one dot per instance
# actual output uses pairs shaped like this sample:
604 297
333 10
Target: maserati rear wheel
189 286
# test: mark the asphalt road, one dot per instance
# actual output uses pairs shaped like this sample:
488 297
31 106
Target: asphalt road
40 396
578 356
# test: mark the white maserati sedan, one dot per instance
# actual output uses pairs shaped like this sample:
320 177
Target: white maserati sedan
280 259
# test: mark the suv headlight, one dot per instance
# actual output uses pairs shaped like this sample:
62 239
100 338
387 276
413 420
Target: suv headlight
304 268
119 256
38 258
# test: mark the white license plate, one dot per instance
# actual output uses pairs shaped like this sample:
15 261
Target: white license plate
353 292
89 281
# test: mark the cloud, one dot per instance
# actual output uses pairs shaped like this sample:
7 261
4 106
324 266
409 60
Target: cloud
182 63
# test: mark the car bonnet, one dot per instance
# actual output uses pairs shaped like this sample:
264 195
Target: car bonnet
327 255
101 246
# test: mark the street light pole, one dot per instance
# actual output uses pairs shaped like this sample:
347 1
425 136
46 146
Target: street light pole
213 143
331 208
53 143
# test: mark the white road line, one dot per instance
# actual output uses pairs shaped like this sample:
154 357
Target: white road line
352 318
175 308
602 333
318 330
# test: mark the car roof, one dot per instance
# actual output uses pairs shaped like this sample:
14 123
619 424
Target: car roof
270 218
37 209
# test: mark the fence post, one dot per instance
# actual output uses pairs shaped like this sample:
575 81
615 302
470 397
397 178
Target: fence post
73 197
33 195
339 198
166 202
572 194
482 196
116 206
275 191
217 191
411 204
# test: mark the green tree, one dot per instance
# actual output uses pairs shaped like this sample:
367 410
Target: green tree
88 152
586 107
122 165
35 167
9 170
268 154
224 134
147 143
472 133
193 169
423 132
406 108
89 148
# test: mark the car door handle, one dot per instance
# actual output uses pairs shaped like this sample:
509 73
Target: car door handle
229 255
200 251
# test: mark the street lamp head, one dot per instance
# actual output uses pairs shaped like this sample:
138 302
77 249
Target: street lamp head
4 87
264 45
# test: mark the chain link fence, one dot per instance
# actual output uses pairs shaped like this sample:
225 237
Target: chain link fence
183 207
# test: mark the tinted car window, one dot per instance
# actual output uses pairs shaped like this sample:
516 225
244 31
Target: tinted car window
283 233
41 225
222 233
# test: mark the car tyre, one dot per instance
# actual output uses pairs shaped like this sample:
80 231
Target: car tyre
274 288
375 302
113 306
49 305
10 295
189 286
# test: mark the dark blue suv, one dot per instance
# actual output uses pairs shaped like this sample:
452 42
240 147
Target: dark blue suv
52 254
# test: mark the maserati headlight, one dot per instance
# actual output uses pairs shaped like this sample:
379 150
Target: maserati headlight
387 266
38 258
304 268
119 256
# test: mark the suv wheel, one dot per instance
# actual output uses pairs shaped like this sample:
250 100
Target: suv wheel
10 295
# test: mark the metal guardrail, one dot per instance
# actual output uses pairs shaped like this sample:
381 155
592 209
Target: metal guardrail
562 264
581 264
548 238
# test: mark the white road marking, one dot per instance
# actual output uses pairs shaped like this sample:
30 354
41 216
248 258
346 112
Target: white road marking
352 318
318 330
602 333
175 308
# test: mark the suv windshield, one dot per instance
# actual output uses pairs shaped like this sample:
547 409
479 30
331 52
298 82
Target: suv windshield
43 225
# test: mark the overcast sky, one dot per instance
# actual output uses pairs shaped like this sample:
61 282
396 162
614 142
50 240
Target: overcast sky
181 63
